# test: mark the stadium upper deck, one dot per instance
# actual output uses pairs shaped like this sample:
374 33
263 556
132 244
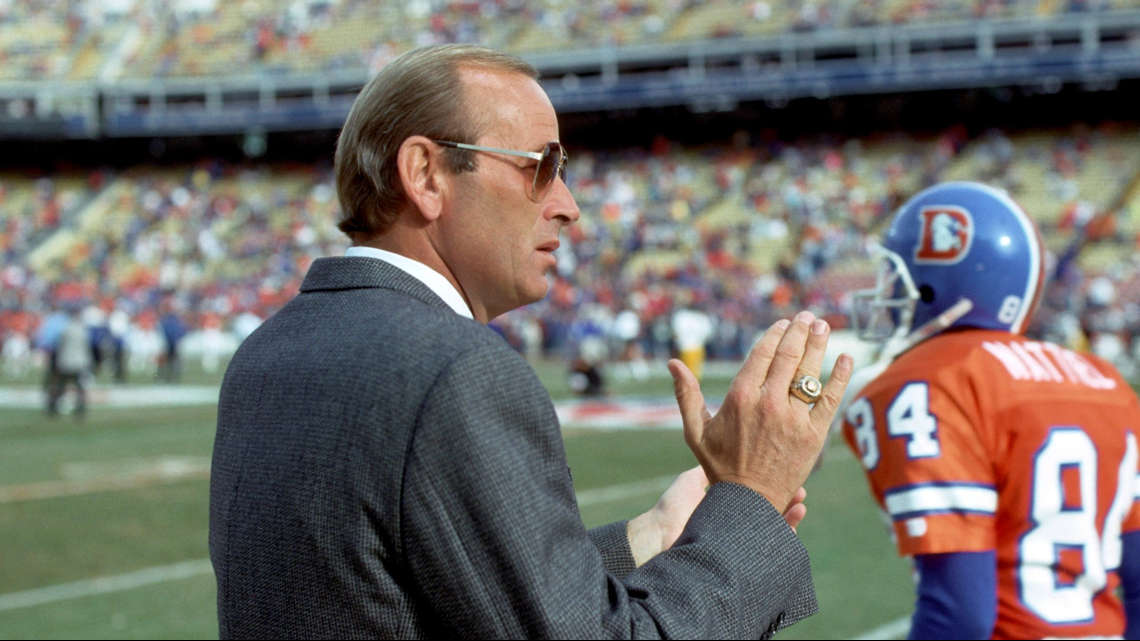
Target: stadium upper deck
87 40
82 69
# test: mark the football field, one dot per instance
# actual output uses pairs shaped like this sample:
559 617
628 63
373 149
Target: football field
103 523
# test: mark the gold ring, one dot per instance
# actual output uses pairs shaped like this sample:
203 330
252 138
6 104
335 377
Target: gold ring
807 388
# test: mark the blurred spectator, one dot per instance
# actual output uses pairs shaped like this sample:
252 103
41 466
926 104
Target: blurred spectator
173 331
245 324
213 344
589 351
144 345
118 326
99 334
47 340
692 329
627 336
16 353
73 362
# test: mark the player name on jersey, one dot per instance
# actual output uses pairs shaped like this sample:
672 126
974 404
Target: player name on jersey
1035 361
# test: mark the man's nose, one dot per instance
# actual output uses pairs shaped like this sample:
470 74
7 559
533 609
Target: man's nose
562 205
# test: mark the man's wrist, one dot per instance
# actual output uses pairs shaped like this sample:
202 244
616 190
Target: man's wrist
645 538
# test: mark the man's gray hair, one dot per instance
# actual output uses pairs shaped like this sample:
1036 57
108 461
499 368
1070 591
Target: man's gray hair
418 93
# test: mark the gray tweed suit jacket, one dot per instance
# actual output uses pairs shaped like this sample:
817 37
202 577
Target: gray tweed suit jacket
387 468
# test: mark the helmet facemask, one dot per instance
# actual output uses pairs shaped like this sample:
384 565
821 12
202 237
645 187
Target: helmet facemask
887 310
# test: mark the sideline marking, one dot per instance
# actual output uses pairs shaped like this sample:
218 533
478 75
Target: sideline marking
27 397
619 414
161 472
896 629
105 585
174 470
612 493
201 567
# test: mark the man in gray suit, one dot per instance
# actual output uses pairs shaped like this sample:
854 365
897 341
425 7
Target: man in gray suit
385 466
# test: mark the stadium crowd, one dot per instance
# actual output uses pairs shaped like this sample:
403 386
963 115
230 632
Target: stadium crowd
723 238
106 39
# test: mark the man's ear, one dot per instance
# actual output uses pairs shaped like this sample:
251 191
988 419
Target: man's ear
423 174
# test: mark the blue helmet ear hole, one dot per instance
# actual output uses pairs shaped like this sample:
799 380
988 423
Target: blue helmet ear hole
926 294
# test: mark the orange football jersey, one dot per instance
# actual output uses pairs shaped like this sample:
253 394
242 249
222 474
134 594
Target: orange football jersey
981 440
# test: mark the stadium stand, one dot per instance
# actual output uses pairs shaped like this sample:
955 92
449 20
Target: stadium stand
53 39
37 40
747 231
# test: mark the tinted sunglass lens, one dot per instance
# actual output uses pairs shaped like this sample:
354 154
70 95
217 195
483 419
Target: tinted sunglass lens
544 173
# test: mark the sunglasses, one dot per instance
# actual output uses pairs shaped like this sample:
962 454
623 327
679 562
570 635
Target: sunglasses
551 163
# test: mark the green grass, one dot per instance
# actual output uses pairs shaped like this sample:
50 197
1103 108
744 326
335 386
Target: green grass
35 446
180 609
860 582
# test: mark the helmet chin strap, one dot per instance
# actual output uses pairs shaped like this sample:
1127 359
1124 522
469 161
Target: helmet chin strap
898 344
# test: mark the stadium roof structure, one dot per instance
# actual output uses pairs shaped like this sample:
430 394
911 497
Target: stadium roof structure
1094 50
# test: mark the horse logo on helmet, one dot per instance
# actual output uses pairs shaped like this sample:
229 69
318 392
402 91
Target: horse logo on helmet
947 233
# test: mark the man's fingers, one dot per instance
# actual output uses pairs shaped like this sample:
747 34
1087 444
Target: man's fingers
790 352
824 409
795 515
690 401
798 498
796 509
812 362
755 368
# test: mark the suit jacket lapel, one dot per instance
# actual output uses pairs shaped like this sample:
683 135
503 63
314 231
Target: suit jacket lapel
362 272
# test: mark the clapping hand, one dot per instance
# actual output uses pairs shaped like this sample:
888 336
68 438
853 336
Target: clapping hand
763 437
659 528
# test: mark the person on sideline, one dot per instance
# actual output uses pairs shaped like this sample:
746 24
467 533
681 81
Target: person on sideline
1007 466
386 466
73 365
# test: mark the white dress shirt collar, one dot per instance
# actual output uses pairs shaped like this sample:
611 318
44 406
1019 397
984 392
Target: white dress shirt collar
421 272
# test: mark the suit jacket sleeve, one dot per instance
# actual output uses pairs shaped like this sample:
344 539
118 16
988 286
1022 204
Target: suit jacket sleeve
491 532
612 542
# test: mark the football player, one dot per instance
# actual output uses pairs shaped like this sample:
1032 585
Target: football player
1006 466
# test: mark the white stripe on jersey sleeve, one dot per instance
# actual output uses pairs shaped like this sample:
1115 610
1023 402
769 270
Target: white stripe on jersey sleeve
1136 488
933 499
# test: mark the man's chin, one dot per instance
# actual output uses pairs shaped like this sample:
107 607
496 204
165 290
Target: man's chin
538 292
541 295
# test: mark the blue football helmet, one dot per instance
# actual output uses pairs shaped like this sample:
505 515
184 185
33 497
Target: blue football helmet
959 254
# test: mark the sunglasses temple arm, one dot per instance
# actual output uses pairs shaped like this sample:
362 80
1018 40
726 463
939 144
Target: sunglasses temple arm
533 155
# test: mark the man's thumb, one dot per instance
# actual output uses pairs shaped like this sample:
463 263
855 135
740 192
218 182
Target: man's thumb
689 400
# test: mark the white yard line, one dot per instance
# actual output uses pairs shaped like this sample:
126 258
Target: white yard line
159 474
896 629
202 567
105 585
53 489
612 493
